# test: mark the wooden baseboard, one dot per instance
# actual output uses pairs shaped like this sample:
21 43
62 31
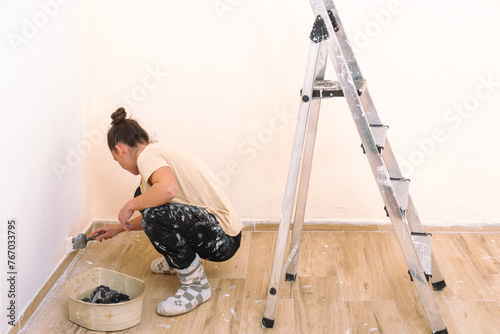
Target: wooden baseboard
363 227
356 226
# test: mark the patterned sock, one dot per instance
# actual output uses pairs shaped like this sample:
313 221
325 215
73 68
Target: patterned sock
160 266
194 291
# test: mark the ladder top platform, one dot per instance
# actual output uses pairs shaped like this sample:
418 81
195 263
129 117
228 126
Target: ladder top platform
329 88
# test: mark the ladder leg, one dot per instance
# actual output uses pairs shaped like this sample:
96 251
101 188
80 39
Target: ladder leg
305 173
369 108
302 191
344 43
290 190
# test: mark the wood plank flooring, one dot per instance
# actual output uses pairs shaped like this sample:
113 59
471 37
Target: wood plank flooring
347 282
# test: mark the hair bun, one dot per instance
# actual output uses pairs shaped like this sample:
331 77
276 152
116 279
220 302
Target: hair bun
118 116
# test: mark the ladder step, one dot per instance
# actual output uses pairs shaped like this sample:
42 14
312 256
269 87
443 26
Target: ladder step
379 133
422 243
400 187
328 88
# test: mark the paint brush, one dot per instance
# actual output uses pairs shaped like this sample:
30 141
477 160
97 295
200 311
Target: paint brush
78 241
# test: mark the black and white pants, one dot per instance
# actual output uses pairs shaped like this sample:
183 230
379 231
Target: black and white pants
179 232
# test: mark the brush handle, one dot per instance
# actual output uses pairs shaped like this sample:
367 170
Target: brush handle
94 237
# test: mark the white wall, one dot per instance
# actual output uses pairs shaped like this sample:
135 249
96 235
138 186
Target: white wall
234 66
41 108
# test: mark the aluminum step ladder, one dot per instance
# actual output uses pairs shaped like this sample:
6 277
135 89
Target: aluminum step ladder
329 39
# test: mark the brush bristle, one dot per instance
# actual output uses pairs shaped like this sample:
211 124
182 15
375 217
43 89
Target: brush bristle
76 242
68 245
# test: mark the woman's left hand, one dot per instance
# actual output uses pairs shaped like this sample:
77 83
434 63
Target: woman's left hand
124 216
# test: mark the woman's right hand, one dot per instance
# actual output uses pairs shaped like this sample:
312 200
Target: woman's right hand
107 231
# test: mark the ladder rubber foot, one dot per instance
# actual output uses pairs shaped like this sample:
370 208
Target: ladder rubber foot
443 331
290 277
267 323
438 286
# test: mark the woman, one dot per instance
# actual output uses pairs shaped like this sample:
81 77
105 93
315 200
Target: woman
184 211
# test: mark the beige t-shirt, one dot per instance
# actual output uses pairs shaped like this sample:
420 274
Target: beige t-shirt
198 184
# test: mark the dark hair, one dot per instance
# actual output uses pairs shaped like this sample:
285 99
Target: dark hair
125 130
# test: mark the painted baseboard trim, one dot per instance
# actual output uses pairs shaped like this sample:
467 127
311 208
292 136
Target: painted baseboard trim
372 226
352 225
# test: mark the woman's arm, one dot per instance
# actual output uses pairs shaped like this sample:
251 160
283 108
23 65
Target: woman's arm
135 224
163 189
108 231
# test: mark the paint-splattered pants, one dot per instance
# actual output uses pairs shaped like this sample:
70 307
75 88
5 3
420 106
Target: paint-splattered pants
179 232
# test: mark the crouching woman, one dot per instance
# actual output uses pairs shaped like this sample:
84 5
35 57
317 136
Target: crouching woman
184 211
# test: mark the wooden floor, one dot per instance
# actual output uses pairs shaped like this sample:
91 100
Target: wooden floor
348 282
